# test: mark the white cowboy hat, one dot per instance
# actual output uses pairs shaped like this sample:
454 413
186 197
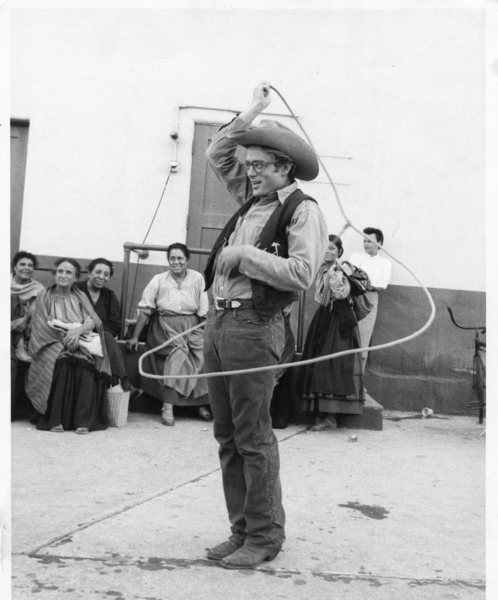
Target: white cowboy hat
272 134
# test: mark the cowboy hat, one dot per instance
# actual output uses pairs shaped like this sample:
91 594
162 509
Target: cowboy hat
272 134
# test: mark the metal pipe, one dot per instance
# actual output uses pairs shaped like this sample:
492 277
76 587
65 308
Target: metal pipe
124 288
131 246
265 114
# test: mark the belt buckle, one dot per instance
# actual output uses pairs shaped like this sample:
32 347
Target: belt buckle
224 304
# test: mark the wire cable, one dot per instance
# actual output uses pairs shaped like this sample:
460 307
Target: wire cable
145 238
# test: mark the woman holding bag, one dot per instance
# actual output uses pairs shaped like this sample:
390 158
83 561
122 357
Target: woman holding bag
67 381
334 386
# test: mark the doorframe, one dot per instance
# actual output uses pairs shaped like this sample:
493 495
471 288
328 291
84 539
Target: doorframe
17 187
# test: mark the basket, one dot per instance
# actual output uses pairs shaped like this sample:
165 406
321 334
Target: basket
117 407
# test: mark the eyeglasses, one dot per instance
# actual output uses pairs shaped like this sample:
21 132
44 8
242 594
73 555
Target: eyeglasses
258 165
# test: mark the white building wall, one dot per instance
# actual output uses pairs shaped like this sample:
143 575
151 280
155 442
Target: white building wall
398 94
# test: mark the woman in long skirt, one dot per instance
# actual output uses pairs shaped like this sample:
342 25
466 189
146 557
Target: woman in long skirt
332 387
70 370
171 303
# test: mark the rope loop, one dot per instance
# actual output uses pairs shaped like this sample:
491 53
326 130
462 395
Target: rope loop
348 224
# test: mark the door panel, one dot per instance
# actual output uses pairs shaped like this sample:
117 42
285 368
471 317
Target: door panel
210 204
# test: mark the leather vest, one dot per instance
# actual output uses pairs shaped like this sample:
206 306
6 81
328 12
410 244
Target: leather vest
273 238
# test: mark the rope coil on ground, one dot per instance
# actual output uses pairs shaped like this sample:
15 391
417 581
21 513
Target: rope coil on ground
300 363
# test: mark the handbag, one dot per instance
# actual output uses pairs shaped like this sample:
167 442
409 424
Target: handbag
357 278
359 283
90 341
361 306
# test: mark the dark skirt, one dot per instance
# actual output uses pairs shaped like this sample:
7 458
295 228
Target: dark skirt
116 360
77 396
337 384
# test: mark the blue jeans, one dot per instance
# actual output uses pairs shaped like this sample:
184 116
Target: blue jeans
249 458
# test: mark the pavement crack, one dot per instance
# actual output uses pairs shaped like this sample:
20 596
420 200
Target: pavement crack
66 537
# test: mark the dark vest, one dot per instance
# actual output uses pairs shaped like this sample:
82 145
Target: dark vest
267 300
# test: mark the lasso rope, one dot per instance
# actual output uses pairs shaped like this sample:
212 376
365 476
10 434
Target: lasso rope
309 361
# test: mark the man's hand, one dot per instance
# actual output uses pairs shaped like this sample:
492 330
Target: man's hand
261 95
260 100
229 259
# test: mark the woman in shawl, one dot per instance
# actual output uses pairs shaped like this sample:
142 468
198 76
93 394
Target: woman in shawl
174 301
70 371
23 292
335 386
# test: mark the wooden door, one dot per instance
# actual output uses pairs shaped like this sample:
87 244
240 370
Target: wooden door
210 204
18 153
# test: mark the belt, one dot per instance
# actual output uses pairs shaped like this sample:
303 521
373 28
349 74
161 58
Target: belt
224 304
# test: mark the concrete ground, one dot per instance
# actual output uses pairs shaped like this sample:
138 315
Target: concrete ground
128 512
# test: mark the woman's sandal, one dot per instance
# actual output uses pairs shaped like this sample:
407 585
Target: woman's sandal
82 430
57 428
167 417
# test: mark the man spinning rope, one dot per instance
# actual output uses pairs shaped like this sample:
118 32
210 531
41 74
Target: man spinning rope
268 251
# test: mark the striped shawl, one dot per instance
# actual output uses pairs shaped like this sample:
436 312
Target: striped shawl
45 347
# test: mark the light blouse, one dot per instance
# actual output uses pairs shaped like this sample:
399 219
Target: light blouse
67 308
166 295
376 267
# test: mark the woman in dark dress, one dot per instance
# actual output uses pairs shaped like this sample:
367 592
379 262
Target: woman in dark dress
106 305
335 386
67 381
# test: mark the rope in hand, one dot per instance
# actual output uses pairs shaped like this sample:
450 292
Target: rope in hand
309 361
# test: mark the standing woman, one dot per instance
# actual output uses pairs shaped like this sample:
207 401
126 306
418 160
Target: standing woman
174 301
106 305
334 386
67 383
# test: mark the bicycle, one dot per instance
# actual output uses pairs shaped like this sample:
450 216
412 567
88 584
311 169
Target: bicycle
478 367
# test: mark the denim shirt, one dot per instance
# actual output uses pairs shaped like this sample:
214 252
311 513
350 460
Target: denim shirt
307 232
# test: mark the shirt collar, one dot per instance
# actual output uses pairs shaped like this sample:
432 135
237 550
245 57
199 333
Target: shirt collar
286 191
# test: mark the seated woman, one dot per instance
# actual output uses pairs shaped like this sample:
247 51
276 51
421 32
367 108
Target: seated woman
106 305
335 386
23 292
67 382
174 301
